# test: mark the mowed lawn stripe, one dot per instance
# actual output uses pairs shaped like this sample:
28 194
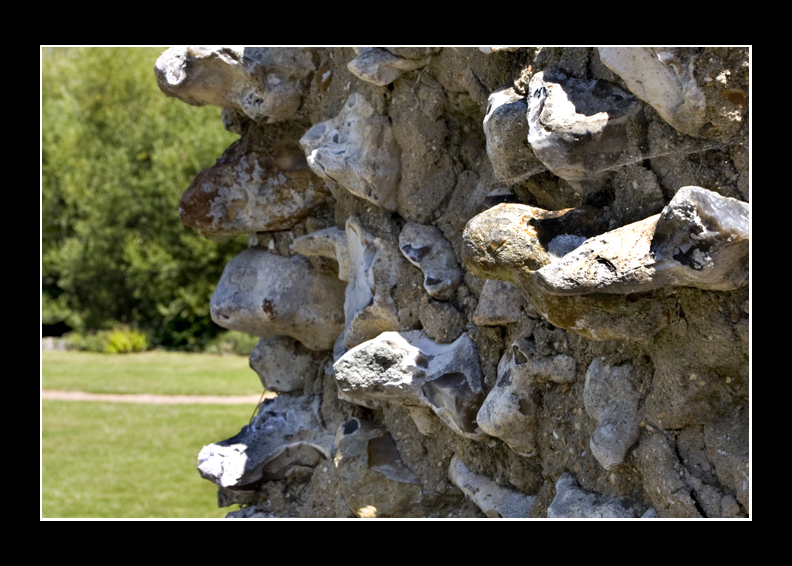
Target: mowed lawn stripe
156 373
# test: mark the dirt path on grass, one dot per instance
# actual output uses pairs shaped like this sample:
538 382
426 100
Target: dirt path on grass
154 399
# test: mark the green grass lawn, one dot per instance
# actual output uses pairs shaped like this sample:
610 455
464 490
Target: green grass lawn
161 373
131 460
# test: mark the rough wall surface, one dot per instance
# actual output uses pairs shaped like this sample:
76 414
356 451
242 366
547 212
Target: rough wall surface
488 282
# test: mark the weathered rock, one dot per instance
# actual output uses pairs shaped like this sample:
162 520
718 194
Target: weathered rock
330 243
572 502
506 128
283 363
264 83
263 294
410 369
381 67
356 149
581 129
252 194
495 501
699 240
286 432
663 77
510 410
426 248
511 242
611 399
684 329
369 308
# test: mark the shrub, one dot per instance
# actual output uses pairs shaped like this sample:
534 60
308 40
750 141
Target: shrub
124 341
120 340
232 342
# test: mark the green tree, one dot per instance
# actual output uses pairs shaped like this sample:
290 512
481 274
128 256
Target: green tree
116 156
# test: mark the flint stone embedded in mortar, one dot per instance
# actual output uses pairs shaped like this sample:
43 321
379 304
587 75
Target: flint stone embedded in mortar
265 83
256 193
663 77
374 479
510 410
572 502
357 150
513 242
610 398
264 295
381 67
412 370
375 263
581 129
495 501
506 128
330 243
283 363
700 239
426 248
286 432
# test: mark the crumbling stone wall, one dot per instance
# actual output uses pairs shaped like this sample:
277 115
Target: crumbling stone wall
501 282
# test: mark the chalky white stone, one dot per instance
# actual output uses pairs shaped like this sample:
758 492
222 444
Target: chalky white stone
657 76
263 294
410 369
610 398
426 248
580 129
495 501
700 239
357 150
572 502
286 432
381 67
264 83
510 410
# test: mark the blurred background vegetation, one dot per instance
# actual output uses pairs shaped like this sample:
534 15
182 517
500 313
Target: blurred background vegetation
117 154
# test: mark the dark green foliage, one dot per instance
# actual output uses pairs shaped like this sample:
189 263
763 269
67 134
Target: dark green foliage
116 156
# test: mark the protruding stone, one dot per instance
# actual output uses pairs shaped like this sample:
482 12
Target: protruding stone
369 308
511 242
699 240
357 150
495 501
381 67
330 243
283 363
506 128
572 502
264 295
611 399
510 410
410 369
662 77
264 83
256 193
286 432
426 248
581 129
